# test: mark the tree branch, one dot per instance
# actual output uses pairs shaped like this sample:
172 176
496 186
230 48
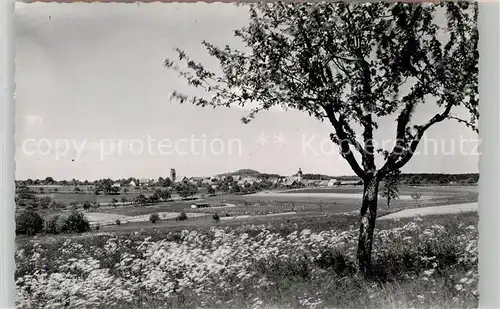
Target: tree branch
420 132
344 142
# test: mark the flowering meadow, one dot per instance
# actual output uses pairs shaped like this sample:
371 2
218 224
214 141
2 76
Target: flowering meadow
428 262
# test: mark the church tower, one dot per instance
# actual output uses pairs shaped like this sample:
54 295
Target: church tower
299 175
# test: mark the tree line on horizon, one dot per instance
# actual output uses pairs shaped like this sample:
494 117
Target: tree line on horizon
166 182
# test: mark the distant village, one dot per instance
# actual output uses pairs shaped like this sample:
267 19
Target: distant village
241 178
245 180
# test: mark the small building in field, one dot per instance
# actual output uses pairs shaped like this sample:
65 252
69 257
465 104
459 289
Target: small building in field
324 183
292 182
145 181
333 182
132 184
200 205
195 180
206 181
250 179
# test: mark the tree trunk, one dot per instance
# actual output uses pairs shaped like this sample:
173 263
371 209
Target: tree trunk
368 216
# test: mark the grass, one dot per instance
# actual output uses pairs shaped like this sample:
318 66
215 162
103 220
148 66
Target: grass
90 197
308 262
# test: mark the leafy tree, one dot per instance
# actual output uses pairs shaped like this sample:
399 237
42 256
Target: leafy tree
210 190
390 189
45 202
53 226
154 198
163 194
415 180
186 190
416 197
141 199
23 189
167 182
154 217
235 188
76 222
182 216
29 223
114 190
87 205
49 181
106 185
113 202
444 180
351 65
73 205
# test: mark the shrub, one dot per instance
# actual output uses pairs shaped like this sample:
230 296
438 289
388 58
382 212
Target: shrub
182 216
53 225
45 202
29 223
118 222
75 222
155 217
87 205
416 197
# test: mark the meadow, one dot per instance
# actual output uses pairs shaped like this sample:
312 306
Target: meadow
305 262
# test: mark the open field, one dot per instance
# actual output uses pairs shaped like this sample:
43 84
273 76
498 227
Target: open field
402 189
254 208
349 198
304 263
425 211
299 201
90 197
106 218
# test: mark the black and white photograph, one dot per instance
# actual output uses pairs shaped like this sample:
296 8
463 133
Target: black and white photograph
266 155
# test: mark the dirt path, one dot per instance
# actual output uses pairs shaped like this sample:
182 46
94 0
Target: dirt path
436 210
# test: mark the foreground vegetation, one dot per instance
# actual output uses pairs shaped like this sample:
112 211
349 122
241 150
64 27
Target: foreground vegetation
418 263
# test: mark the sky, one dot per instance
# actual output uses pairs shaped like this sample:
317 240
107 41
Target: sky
92 101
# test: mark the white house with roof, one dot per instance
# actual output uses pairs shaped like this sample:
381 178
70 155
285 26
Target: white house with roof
290 182
333 182
324 183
